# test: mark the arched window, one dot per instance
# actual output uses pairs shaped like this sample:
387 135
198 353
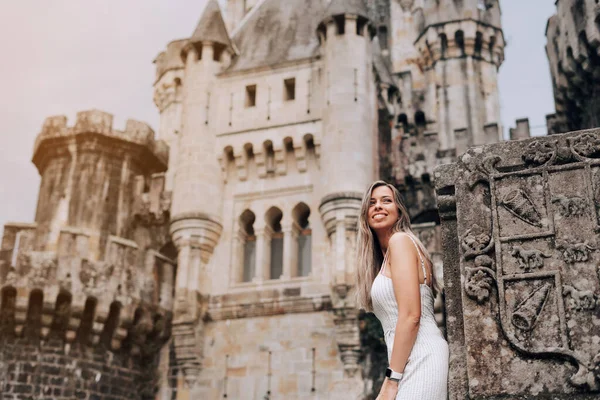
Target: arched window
459 38
275 235
491 47
269 156
382 34
478 43
403 120
248 240
300 214
420 118
444 44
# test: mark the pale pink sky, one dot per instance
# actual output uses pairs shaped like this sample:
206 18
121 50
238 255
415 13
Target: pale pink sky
64 56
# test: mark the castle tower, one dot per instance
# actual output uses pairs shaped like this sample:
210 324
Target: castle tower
86 294
449 95
168 97
348 148
459 47
197 194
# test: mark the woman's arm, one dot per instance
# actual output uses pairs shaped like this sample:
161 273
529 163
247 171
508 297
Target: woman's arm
405 279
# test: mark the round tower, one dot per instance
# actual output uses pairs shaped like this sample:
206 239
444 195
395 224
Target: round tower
197 185
461 47
168 96
87 176
85 304
348 151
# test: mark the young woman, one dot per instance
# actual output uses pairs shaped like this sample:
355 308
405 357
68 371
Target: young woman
395 281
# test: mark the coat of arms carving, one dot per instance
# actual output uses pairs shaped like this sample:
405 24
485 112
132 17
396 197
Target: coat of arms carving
527 216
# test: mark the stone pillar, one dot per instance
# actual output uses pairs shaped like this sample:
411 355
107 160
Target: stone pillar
262 255
290 252
520 222
340 216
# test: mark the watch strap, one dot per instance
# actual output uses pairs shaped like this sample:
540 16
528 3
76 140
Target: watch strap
393 375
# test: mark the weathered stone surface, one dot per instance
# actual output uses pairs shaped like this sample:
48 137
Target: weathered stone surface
573 49
86 291
521 275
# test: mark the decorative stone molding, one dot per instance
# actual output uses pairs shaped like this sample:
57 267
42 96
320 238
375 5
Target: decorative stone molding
233 306
270 160
195 235
152 207
97 303
527 219
168 90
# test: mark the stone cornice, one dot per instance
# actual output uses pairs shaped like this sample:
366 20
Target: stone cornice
228 307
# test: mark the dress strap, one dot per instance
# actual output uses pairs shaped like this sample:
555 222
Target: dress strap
384 263
421 258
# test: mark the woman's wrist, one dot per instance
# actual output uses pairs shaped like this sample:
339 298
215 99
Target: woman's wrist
391 382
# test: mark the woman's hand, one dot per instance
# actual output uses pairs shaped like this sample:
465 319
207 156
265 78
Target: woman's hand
388 391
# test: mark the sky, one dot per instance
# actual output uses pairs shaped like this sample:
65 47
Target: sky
64 56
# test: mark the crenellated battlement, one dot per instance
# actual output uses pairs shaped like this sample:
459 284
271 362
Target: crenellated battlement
457 39
169 75
123 300
170 59
36 314
100 123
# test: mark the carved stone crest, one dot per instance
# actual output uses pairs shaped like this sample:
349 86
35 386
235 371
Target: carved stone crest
528 228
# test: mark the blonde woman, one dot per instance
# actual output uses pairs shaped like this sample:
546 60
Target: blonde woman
395 281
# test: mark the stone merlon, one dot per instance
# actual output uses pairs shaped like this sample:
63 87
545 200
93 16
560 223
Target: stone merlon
137 135
170 59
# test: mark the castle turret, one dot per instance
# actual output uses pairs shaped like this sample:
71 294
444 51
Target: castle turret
86 294
197 200
460 46
168 96
348 162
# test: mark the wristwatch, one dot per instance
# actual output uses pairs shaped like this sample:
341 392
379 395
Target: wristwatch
393 375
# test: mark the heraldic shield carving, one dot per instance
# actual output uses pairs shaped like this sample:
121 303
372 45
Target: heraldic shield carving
527 220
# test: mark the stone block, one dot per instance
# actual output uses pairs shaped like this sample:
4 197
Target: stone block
94 121
521 270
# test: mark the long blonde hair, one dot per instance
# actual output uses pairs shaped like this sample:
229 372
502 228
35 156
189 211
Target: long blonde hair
370 255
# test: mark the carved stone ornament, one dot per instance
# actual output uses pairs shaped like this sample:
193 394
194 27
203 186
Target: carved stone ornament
527 219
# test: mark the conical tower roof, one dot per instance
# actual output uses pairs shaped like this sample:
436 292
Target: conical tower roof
211 27
340 7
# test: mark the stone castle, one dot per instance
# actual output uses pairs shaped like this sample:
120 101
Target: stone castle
214 259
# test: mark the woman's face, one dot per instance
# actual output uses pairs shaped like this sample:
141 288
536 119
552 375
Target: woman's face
382 213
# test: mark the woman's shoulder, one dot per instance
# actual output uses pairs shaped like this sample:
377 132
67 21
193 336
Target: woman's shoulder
400 239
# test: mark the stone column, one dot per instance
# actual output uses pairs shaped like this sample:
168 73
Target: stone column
291 232
237 258
263 254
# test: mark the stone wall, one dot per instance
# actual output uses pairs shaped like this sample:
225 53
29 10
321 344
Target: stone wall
277 358
573 49
520 224
53 370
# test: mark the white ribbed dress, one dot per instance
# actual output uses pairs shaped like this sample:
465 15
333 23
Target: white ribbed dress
426 373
